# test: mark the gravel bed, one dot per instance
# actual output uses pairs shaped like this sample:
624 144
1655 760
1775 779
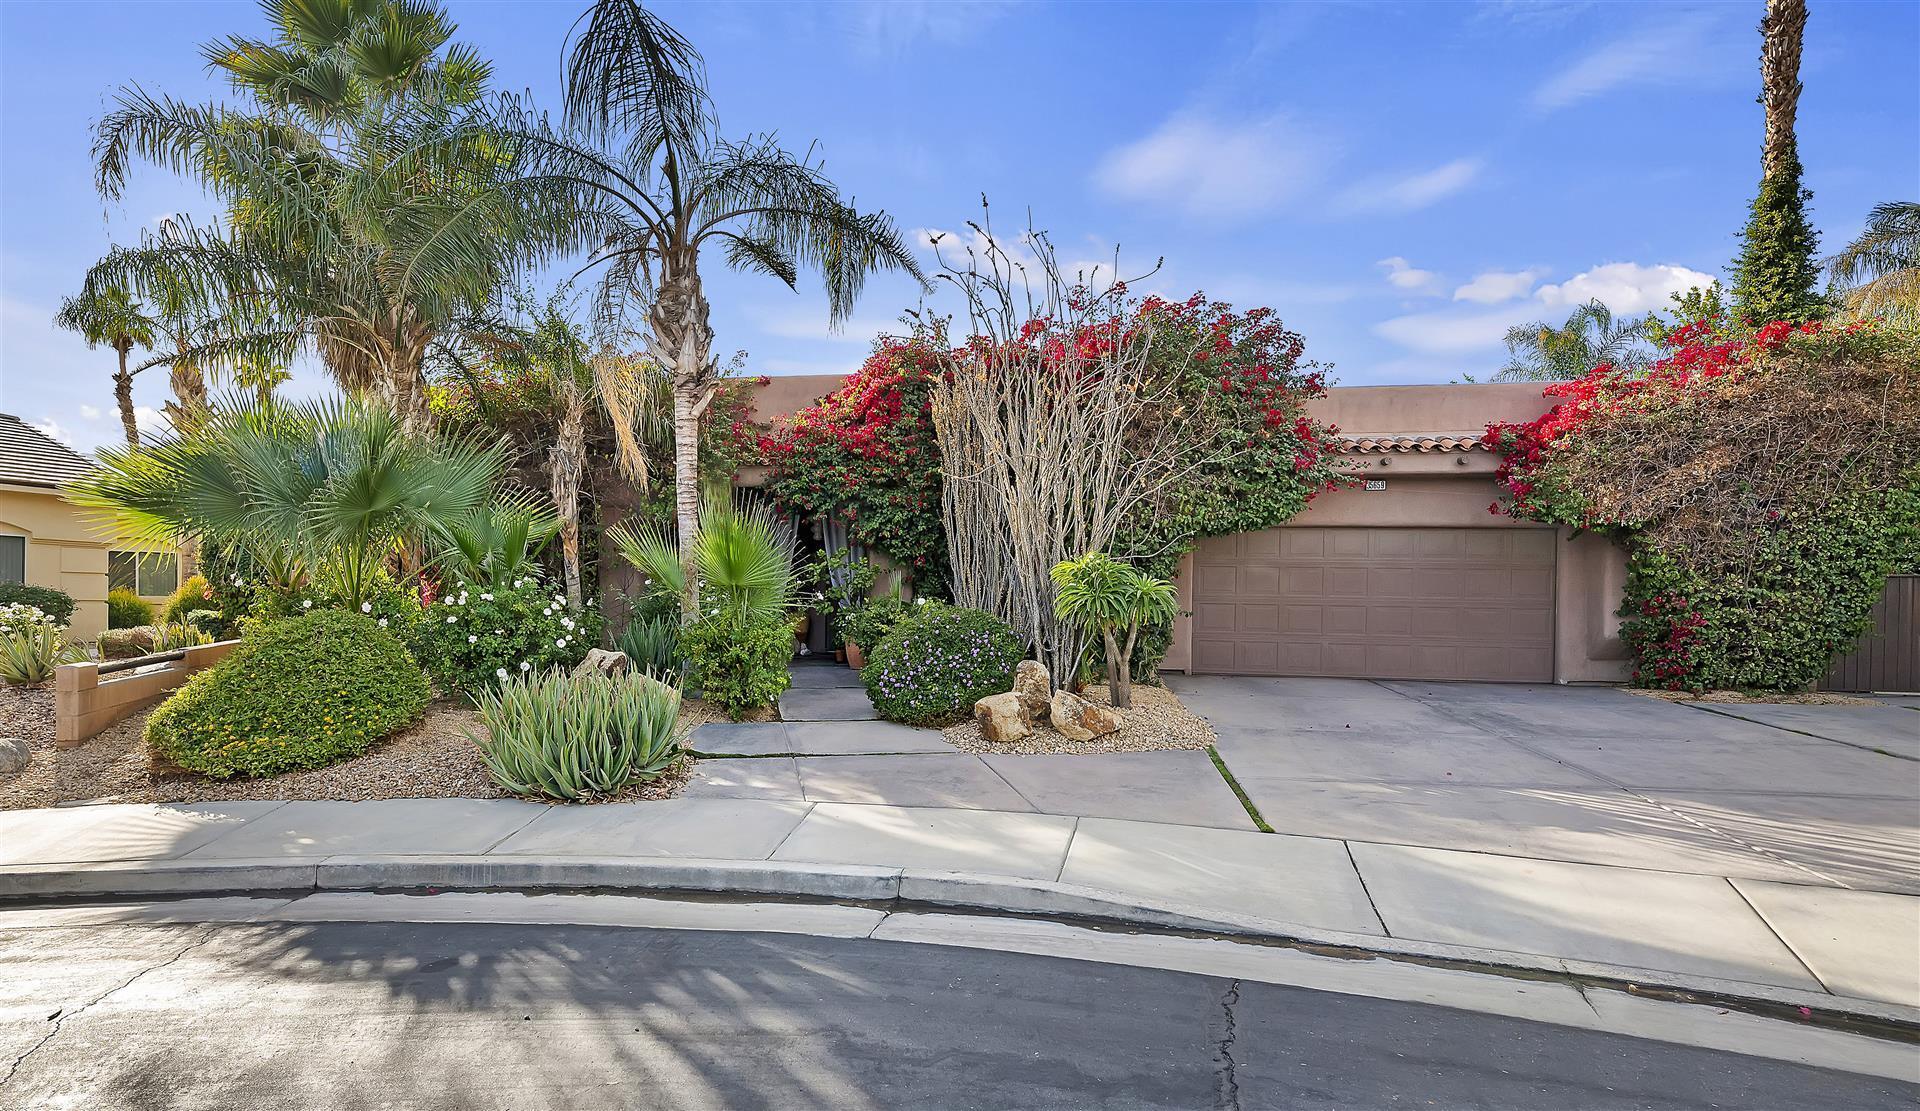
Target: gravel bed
1735 698
433 759
1157 721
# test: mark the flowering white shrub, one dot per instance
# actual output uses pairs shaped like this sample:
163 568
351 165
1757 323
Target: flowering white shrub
19 617
471 638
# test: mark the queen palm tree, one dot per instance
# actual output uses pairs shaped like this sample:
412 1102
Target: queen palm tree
1591 337
370 207
642 161
1879 273
109 315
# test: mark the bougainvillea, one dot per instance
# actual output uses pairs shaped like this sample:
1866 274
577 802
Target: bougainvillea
866 455
1763 482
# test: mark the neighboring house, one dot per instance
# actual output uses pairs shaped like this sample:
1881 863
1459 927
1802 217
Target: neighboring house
1407 576
47 541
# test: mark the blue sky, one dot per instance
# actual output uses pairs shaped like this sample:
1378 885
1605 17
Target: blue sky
1399 181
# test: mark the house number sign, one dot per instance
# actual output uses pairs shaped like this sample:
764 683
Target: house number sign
1376 484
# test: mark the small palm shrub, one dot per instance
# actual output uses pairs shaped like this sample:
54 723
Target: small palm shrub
300 693
652 645
561 736
933 667
127 610
474 636
738 658
29 654
56 604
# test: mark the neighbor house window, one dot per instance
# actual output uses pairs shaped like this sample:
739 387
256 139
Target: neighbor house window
151 574
13 559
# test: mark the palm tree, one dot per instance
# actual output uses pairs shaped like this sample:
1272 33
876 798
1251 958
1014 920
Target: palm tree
1775 274
1591 337
326 491
371 209
1879 273
644 165
109 315
742 557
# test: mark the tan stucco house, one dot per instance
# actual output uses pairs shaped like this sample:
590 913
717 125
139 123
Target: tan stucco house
1404 576
47 541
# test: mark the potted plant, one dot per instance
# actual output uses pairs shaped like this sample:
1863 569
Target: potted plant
843 581
865 627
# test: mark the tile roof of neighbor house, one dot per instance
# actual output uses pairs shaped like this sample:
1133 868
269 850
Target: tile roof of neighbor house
30 457
1411 442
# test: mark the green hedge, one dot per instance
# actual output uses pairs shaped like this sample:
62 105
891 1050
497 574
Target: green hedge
57 604
127 610
932 668
300 693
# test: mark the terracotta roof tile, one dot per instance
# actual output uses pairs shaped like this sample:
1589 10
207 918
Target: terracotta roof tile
1407 442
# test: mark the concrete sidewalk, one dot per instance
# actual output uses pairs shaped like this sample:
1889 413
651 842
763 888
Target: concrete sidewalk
1740 936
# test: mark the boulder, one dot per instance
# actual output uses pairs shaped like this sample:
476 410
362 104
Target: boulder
603 661
1034 687
13 755
1002 718
1080 720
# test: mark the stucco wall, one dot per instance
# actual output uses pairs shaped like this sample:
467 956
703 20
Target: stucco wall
64 552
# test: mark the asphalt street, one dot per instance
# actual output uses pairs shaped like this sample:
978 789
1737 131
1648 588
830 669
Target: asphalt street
352 1015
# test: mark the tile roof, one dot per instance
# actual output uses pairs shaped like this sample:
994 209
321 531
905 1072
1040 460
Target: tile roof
1404 442
30 457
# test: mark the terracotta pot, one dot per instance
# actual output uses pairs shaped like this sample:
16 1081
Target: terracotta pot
802 621
856 659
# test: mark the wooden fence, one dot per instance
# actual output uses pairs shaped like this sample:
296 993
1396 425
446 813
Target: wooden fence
1887 658
88 697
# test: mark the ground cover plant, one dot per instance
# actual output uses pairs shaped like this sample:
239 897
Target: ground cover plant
932 668
299 693
1762 480
572 737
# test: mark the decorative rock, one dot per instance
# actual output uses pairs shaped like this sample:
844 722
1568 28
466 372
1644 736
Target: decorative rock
1002 718
1034 687
1080 720
13 755
603 661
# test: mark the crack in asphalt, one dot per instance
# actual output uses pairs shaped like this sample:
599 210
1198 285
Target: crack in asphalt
59 1018
1226 1083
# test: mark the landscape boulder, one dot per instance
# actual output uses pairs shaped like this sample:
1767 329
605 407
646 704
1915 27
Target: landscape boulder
13 755
1080 720
603 661
1034 687
1002 718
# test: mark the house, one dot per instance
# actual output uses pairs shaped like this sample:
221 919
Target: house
46 540
1404 576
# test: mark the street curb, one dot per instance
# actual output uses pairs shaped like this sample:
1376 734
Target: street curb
26 884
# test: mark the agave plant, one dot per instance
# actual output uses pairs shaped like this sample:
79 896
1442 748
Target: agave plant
29 655
563 736
743 554
178 634
652 645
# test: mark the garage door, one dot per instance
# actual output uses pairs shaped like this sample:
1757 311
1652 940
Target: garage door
1376 603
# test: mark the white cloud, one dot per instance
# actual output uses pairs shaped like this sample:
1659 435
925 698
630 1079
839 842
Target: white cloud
1216 169
1496 286
90 412
1626 287
1411 192
815 325
52 428
1402 274
1666 52
1449 332
882 27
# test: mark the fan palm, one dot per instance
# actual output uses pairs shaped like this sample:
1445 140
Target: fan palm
643 164
1879 273
1591 337
370 207
325 490
742 557
109 315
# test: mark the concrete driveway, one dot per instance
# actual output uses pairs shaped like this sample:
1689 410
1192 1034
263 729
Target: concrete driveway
1825 795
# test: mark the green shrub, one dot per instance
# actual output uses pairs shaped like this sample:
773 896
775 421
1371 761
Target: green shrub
931 669
29 655
18 617
127 610
739 660
652 645
869 625
57 604
193 595
563 736
473 637
300 693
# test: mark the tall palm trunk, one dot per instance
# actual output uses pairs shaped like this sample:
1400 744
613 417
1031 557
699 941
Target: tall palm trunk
123 395
1782 32
682 341
566 460
190 402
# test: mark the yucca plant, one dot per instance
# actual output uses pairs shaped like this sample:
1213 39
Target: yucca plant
743 554
652 645
29 655
178 634
569 737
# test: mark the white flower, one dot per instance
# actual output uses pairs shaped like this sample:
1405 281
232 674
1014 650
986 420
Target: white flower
383 622
486 597
548 611
525 666
558 600
499 632
517 583
451 619
567 621
561 643
471 639
307 604
919 601
501 672
366 607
